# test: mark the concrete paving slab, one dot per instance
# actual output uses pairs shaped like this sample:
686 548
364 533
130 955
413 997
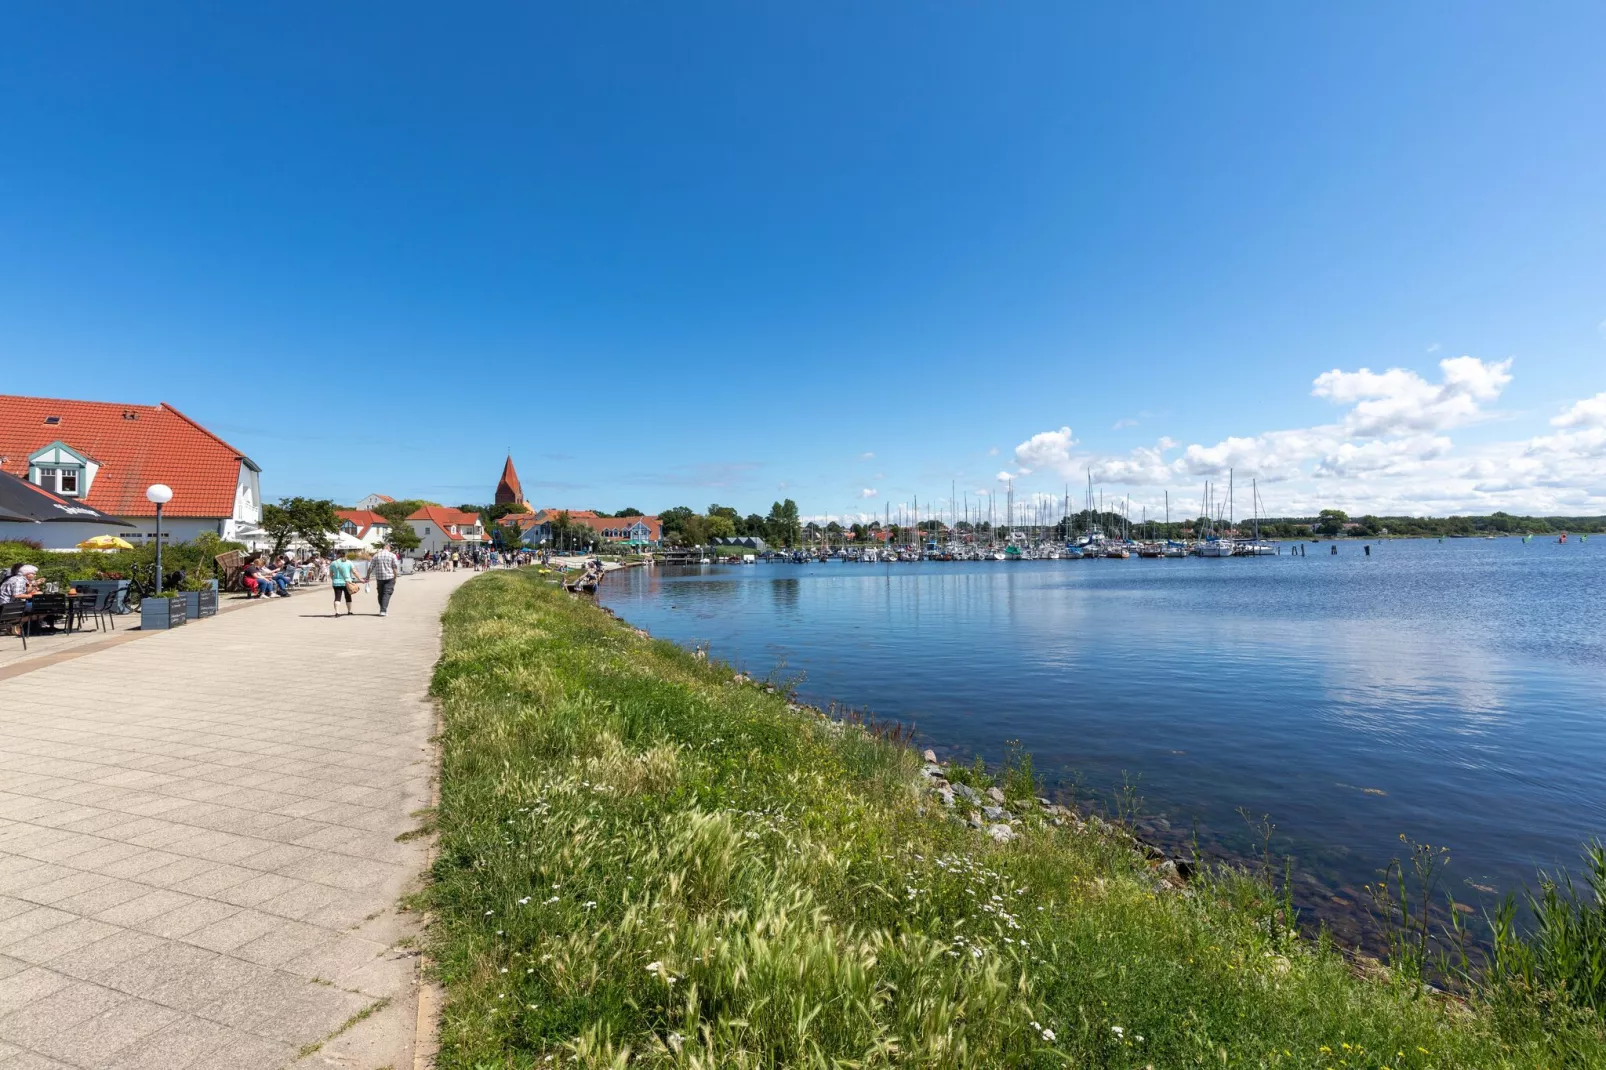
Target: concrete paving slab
198 865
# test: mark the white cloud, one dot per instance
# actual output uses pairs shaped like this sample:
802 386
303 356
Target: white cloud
993 452
1398 456
1386 453
1434 347
1123 423
867 455
1400 401
1046 449
1590 412
868 492
1004 477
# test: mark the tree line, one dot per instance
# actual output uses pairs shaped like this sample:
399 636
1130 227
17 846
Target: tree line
685 527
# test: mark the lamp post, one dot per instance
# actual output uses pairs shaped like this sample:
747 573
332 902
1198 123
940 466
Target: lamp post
158 494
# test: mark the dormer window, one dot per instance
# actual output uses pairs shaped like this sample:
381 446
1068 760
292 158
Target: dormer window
61 470
63 481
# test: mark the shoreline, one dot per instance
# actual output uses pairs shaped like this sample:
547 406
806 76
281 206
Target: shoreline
1336 911
645 852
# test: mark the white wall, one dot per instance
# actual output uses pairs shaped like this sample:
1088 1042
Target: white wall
66 536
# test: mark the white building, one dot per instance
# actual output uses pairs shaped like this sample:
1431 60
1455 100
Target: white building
368 527
106 454
374 501
440 528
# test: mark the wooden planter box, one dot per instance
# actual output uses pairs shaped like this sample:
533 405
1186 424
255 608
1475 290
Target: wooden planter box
198 604
160 614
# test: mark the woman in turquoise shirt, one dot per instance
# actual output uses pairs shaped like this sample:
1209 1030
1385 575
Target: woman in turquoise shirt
344 578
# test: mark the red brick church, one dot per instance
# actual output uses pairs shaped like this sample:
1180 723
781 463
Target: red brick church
508 491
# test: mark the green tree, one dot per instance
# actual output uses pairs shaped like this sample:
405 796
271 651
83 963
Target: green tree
1331 521
312 519
721 526
507 536
404 538
782 527
674 519
694 531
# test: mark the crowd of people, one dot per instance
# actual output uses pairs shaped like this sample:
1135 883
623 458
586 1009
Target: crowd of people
348 576
477 558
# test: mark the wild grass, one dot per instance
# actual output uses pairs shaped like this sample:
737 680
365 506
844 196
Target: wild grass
643 862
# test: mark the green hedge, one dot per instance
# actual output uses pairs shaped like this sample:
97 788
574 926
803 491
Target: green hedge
70 566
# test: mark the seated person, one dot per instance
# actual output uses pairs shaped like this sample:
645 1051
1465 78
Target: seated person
255 579
19 584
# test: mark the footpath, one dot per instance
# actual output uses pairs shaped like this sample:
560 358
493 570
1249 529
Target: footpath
199 854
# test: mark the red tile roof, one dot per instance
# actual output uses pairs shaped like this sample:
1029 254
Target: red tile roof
363 518
589 518
445 518
135 446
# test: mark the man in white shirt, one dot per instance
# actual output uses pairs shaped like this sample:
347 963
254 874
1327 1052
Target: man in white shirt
383 568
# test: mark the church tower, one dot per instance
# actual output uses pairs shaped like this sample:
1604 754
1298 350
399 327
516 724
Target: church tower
508 491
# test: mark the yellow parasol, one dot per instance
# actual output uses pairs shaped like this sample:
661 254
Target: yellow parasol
105 542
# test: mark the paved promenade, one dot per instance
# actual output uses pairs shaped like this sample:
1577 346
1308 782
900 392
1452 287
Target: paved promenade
198 856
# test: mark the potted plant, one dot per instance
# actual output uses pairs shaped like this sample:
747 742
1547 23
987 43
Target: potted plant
200 598
161 612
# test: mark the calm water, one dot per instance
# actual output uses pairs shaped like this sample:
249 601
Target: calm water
1448 691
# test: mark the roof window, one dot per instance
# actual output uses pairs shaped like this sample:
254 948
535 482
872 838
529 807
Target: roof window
52 419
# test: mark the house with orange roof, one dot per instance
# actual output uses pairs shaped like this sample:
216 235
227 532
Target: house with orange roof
366 525
441 528
374 501
106 454
538 526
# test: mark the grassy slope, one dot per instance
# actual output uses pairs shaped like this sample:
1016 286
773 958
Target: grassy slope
640 856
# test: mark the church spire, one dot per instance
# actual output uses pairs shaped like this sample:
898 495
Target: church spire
508 491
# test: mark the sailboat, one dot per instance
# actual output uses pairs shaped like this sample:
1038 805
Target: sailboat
1172 548
1213 544
1256 548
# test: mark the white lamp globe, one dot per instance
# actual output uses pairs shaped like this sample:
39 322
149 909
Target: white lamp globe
159 493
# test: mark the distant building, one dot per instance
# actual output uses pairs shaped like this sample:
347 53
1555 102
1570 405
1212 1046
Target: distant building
508 491
374 501
440 528
105 454
537 526
751 542
366 525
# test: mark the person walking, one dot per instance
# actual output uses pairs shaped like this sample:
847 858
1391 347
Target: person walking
343 577
383 568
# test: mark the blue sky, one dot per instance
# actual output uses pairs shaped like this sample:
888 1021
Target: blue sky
674 254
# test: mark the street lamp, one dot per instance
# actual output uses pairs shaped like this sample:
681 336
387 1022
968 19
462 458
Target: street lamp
158 494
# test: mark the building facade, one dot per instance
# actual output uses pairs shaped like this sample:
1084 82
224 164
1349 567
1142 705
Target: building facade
366 525
538 528
106 454
440 528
